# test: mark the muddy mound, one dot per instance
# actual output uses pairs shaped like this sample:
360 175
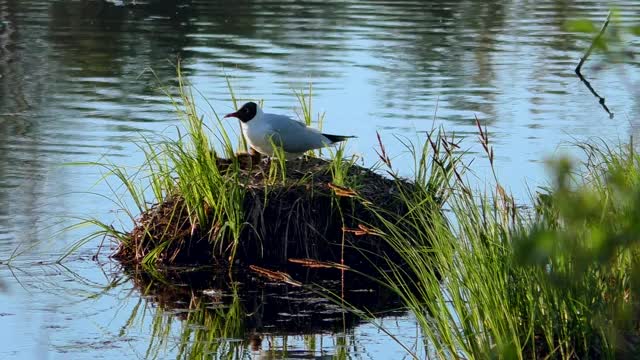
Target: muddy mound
301 215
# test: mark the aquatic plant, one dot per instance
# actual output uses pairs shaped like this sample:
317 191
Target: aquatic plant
490 279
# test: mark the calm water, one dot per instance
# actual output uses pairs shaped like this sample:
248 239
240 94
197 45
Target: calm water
74 87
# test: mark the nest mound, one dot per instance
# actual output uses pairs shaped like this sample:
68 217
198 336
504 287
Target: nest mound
305 216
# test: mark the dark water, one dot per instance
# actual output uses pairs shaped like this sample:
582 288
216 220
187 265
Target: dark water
75 85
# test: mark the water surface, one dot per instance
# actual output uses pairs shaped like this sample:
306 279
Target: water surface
75 86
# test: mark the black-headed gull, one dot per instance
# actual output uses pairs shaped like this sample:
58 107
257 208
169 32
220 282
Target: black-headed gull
263 129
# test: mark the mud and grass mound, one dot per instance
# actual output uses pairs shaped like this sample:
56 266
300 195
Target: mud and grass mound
298 213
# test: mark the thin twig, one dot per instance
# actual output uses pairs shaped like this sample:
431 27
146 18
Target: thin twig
593 44
601 99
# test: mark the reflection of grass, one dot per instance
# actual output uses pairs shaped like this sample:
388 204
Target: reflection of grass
225 317
217 334
208 327
491 280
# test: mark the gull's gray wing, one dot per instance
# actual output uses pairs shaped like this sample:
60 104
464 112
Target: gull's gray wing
294 136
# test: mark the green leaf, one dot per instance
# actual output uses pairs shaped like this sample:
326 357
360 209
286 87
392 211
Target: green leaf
581 25
635 30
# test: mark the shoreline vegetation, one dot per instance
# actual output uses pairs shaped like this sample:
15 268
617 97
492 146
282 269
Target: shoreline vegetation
559 280
484 277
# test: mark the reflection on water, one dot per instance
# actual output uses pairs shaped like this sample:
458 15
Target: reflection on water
190 313
75 85
230 315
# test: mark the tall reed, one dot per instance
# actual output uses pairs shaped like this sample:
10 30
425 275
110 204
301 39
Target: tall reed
488 279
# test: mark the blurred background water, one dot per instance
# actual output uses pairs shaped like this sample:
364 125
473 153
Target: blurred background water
75 86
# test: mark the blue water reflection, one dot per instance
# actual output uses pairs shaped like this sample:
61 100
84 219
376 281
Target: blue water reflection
75 85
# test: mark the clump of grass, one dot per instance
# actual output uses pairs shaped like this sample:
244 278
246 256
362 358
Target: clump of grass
340 167
491 280
306 114
188 195
197 200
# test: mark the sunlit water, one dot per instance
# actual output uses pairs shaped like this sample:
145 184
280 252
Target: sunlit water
75 85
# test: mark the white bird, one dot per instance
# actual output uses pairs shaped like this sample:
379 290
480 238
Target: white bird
262 130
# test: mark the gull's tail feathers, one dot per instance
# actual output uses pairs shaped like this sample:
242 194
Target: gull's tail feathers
337 138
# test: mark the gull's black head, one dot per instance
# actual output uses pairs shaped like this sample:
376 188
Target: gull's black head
246 112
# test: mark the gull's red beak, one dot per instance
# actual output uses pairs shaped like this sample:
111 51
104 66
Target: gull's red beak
230 115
